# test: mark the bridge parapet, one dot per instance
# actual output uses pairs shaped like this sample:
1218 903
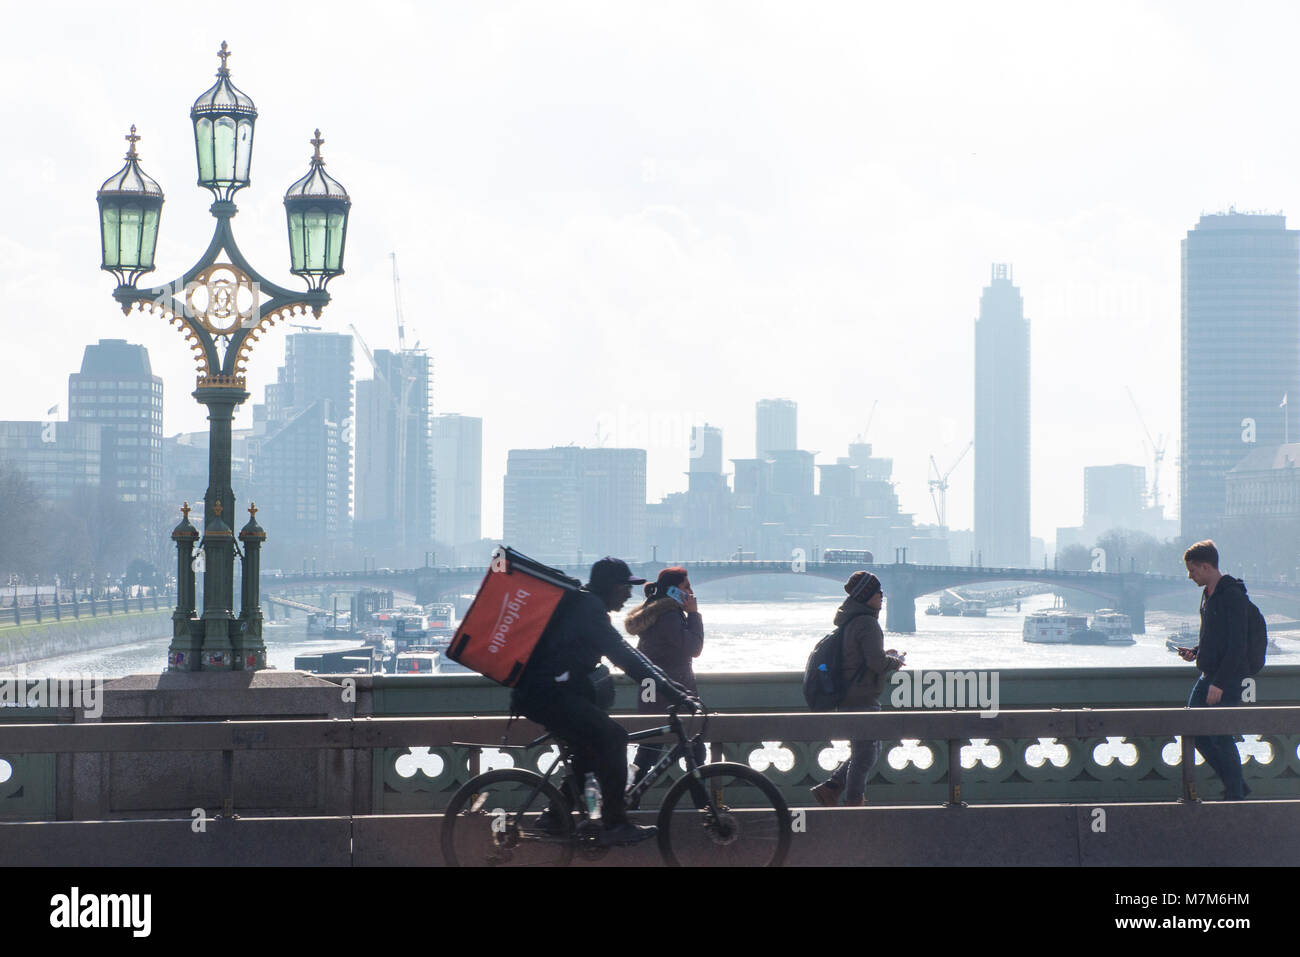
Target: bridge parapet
1027 755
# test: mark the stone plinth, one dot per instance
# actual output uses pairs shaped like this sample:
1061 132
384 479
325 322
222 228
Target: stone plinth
151 784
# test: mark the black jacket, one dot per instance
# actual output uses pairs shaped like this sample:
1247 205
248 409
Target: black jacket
577 638
1221 653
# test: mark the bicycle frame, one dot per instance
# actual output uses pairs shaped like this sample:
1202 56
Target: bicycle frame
684 748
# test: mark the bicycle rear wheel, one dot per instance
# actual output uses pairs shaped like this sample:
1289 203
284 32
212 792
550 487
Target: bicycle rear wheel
732 816
494 821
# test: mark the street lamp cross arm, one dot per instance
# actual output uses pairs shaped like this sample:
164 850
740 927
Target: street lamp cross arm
271 302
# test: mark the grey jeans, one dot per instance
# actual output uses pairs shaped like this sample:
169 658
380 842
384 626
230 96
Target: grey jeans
852 774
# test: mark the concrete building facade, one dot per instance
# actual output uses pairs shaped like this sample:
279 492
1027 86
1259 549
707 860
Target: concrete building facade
777 426
58 457
571 504
117 391
1240 352
396 494
458 473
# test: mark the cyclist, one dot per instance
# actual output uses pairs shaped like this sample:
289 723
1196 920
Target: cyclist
556 690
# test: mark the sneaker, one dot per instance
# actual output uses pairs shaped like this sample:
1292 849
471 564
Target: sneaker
827 794
626 833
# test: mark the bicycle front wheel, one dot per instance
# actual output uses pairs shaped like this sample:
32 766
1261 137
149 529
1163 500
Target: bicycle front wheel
731 816
495 820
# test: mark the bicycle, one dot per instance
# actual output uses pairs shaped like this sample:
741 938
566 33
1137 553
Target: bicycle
734 816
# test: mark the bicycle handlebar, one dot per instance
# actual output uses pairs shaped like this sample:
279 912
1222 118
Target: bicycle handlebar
673 710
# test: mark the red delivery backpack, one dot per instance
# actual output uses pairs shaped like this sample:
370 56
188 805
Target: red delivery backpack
513 606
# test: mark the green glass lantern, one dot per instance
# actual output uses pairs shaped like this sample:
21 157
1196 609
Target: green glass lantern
223 119
317 211
130 206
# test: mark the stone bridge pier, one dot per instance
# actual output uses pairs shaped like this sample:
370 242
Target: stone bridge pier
1133 602
900 601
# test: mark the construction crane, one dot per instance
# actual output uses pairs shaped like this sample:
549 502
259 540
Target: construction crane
862 436
399 480
397 302
940 484
1157 451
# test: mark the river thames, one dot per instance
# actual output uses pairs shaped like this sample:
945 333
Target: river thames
745 636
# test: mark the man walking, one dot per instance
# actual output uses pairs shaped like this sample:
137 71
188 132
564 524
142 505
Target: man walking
1221 657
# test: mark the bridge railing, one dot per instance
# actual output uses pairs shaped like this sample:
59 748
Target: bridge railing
931 757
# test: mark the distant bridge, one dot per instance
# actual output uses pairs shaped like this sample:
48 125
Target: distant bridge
904 583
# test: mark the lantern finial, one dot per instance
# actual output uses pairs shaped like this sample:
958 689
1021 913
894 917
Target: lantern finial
224 53
132 138
316 142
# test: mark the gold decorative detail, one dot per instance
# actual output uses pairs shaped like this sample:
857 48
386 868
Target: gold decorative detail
185 510
252 511
221 382
264 322
217 507
160 306
222 298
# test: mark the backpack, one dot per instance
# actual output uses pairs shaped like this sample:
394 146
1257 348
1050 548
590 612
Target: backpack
824 687
513 607
1256 639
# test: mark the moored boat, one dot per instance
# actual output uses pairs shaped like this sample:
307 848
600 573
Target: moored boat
1053 627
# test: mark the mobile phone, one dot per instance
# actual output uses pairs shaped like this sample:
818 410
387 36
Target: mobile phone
676 594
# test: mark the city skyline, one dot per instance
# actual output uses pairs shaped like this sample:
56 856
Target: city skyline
701 228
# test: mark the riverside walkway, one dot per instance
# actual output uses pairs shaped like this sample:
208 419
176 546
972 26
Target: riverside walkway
1083 767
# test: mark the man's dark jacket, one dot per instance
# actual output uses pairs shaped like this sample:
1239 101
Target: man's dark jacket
1221 654
577 638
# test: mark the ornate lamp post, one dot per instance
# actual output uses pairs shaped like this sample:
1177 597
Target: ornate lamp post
223 300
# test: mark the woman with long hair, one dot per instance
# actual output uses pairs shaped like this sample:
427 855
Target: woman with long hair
670 633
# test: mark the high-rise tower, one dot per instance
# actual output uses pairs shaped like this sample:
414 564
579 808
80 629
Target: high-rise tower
777 426
117 390
301 450
396 496
1240 353
458 474
1002 424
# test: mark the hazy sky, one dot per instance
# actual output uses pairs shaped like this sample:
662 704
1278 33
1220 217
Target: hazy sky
649 215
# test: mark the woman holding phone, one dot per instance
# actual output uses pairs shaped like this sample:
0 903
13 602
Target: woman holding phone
670 633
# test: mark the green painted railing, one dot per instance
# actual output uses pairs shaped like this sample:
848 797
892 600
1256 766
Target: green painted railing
1006 765
910 771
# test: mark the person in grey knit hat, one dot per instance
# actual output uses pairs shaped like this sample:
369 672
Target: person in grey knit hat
866 664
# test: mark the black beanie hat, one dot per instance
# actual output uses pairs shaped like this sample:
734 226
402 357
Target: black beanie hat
862 586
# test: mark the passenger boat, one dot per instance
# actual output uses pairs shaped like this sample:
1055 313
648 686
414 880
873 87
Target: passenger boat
416 663
1053 627
1109 627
